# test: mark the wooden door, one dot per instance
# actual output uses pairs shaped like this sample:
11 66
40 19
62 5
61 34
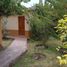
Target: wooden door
21 25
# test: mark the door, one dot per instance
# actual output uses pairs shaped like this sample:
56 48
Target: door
21 22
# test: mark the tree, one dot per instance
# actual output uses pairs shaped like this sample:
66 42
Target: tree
40 2
43 22
47 15
59 7
11 7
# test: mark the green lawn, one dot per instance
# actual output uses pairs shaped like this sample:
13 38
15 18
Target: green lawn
49 61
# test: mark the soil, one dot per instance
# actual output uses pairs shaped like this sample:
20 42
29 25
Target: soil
39 56
41 46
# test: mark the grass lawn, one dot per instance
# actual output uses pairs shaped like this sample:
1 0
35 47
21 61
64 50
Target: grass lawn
27 60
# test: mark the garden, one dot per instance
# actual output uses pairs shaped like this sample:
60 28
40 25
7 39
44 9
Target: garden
47 45
40 56
48 42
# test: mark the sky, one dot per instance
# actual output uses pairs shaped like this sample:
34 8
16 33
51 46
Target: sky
31 3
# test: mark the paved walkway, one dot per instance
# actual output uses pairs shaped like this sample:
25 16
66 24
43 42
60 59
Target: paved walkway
18 47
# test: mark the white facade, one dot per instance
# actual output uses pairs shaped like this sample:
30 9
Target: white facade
12 23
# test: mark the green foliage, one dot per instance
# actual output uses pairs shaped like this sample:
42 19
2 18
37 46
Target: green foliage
39 28
11 7
62 28
62 59
62 32
59 7
55 9
42 27
49 14
64 46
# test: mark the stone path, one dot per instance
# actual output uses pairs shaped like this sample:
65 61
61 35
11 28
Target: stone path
18 47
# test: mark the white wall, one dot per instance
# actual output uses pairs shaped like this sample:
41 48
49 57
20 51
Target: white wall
12 23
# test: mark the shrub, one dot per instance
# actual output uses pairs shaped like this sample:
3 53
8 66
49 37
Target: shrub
39 28
62 59
62 28
62 32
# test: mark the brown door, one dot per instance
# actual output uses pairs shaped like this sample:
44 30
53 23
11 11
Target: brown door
21 25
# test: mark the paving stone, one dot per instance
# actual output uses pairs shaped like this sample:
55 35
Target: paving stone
18 47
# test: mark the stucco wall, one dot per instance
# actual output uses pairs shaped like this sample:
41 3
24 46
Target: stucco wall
12 23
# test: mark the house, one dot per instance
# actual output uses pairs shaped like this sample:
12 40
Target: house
17 26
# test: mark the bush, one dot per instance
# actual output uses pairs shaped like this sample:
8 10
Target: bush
62 59
39 28
62 31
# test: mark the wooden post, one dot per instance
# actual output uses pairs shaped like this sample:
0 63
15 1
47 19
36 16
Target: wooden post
1 33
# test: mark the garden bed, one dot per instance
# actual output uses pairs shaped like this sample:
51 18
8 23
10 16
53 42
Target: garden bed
37 57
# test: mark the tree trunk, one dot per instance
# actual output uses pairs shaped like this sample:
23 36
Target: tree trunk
1 33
